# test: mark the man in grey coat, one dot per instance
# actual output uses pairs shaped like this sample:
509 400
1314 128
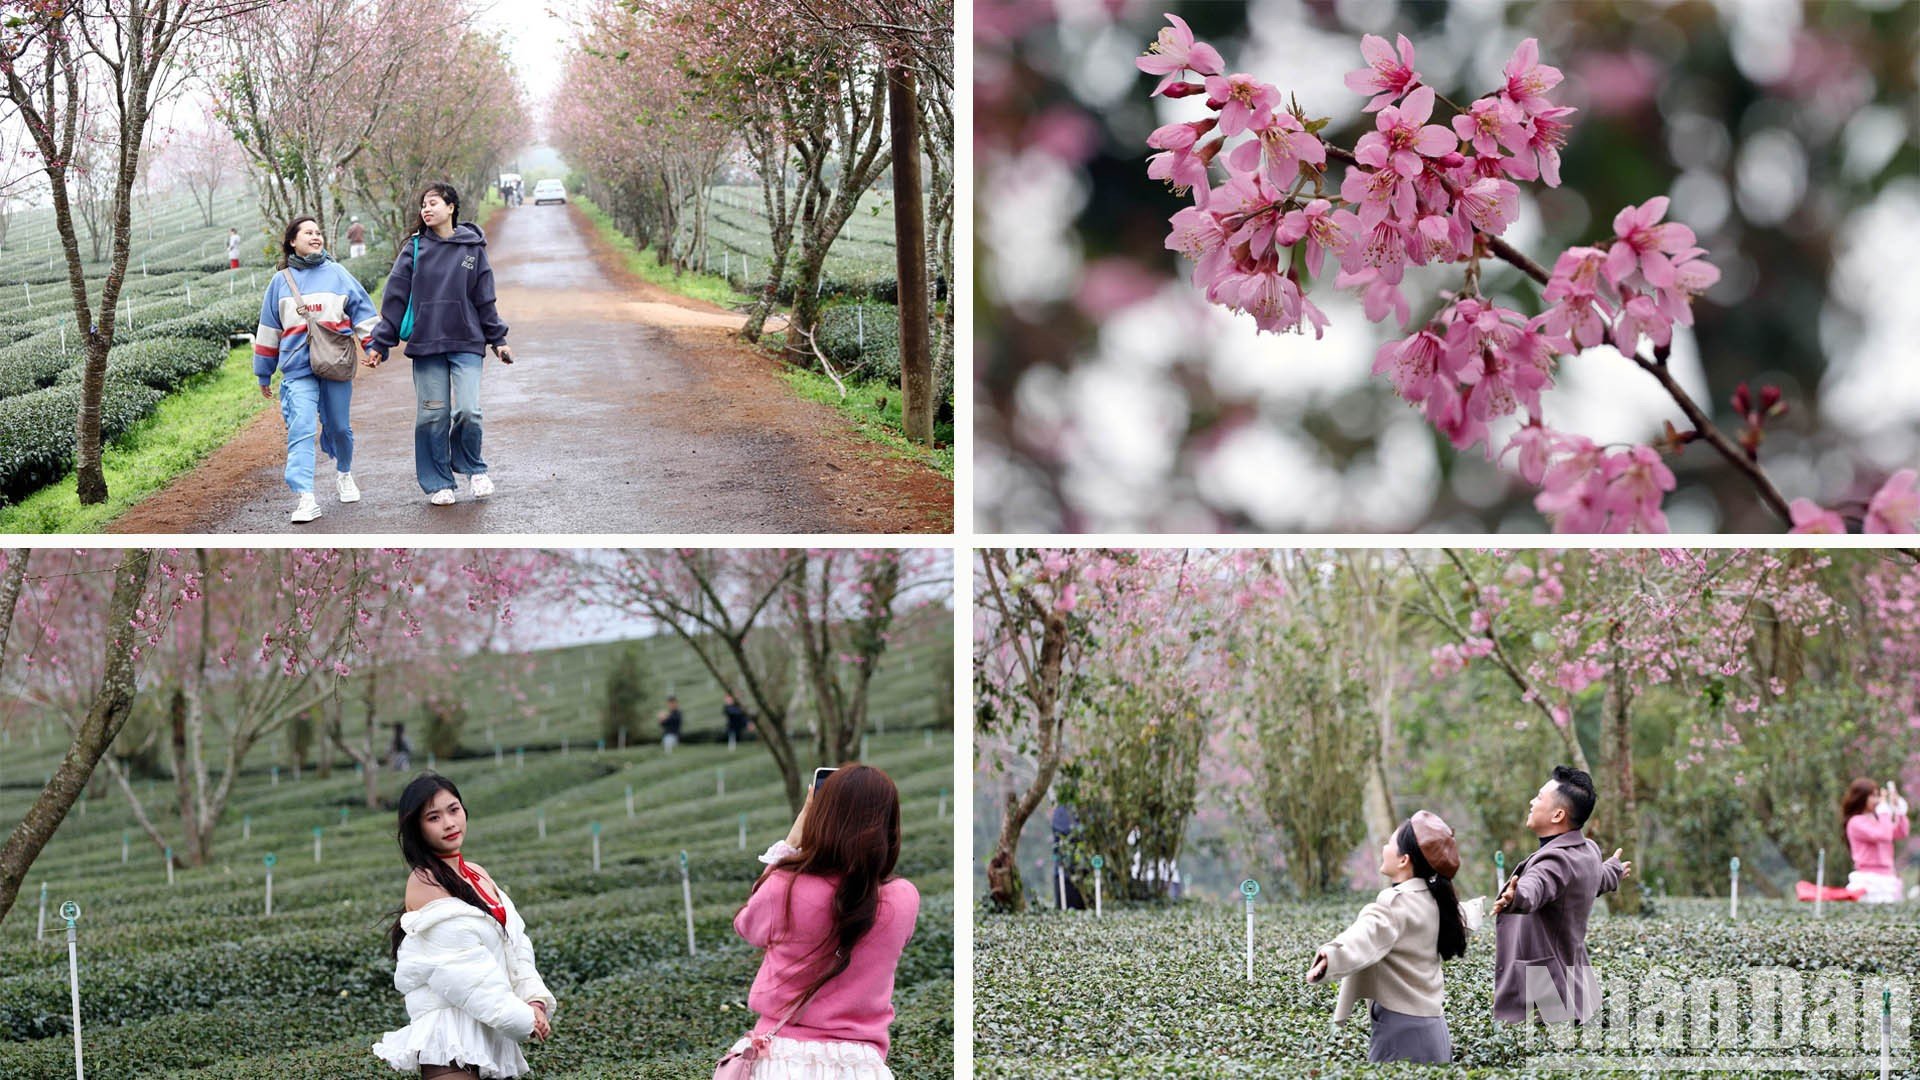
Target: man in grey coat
1540 935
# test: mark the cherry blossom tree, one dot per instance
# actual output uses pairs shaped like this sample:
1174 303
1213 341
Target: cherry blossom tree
70 68
1417 192
742 611
203 159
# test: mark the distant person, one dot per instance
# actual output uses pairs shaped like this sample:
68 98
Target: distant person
1875 818
356 238
1391 955
1540 937
442 285
737 719
233 249
1066 862
461 953
833 920
401 753
670 724
336 302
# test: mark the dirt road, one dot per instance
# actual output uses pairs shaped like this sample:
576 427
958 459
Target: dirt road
627 410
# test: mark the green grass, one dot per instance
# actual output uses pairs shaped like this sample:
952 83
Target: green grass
712 288
188 425
874 409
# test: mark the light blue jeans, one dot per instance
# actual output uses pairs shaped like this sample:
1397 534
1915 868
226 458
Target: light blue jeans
446 418
305 401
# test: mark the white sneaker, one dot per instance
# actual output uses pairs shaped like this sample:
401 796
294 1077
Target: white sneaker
482 486
443 497
307 509
349 491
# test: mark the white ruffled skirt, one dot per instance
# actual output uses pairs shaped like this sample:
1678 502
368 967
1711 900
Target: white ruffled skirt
797 1059
1880 888
444 1036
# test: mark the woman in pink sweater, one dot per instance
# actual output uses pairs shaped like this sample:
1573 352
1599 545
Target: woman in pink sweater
1875 817
833 921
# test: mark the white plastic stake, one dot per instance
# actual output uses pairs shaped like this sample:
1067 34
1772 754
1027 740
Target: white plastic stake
686 891
70 911
276 776
1249 889
1820 883
720 781
169 866
1499 873
520 757
629 800
123 849
246 827
41 934
540 814
1733 869
929 738
732 743
1886 1033
863 748
596 847
1060 881
743 832
316 843
1098 863
270 860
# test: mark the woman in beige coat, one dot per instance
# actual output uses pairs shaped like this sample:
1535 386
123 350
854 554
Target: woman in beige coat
1391 954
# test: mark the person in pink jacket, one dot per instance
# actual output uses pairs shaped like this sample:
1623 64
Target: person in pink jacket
833 920
1875 817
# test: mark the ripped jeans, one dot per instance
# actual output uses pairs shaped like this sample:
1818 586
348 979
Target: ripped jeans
446 418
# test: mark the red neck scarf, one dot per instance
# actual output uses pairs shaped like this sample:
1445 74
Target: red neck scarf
495 909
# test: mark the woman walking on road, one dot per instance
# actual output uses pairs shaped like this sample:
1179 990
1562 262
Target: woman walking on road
311 294
439 299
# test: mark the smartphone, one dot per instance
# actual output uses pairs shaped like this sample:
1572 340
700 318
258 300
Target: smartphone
820 775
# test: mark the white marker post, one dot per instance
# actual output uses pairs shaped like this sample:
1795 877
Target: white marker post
123 848
1886 1033
343 817
316 843
629 800
720 782
276 776
520 757
270 860
733 742
743 832
596 847
943 804
1733 869
540 815
1499 873
599 746
41 934
1820 883
246 827
70 911
686 891
863 748
432 762
1060 883
169 866
1249 889
1098 863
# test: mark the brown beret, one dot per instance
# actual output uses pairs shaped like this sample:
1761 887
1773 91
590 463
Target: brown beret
1435 838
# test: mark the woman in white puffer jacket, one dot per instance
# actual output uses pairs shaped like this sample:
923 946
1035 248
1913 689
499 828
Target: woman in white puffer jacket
461 952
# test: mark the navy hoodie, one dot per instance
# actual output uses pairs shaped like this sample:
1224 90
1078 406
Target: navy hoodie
452 293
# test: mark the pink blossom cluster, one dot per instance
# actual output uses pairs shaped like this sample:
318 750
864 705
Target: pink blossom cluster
1420 193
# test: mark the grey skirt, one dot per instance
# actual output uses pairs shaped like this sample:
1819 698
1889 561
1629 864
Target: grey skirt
1398 1036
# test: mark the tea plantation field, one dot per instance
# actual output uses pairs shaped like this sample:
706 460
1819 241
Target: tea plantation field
179 305
859 264
1146 992
193 979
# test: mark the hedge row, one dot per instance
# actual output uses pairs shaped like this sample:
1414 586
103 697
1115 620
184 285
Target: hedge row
37 431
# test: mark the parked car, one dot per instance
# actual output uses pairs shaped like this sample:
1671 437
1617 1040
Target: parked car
547 191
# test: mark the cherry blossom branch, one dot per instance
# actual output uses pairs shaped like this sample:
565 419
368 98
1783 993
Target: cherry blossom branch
1716 438
1499 247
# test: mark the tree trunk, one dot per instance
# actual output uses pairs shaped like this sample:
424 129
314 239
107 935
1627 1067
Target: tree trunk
111 705
1624 828
1008 893
910 256
10 584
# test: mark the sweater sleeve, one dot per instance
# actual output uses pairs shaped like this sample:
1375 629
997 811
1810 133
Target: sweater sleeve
1361 945
758 920
360 310
480 294
393 300
467 978
1611 871
1541 883
266 336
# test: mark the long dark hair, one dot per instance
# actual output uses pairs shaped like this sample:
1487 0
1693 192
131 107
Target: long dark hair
448 194
1855 802
419 855
1453 932
852 832
293 230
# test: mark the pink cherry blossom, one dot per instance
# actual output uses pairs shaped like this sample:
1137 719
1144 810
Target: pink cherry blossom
1490 204
1895 508
1528 80
1278 149
1644 244
1385 76
1403 136
1579 308
1175 51
1809 517
1378 194
1641 316
1491 122
1636 482
1415 365
1573 490
1323 228
1246 102
1534 445
1546 134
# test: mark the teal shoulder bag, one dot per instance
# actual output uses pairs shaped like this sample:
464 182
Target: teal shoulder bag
406 324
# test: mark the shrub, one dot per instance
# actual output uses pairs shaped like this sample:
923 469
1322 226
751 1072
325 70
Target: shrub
229 315
160 362
37 430
35 363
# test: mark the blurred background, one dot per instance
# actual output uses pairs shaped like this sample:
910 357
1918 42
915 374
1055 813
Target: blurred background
1112 397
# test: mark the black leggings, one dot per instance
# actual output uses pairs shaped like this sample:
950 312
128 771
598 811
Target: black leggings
448 1072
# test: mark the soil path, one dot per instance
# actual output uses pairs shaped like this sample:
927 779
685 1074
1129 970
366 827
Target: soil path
628 409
